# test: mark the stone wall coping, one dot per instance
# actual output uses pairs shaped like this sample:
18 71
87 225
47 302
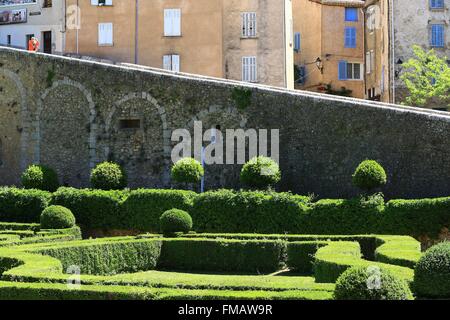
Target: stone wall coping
442 115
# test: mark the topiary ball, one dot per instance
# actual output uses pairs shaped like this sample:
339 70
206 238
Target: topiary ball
187 170
40 177
260 173
370 283
57 217
369 175
432 272
108 176
175 220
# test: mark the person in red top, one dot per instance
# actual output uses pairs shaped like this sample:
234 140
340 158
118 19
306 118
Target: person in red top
33 45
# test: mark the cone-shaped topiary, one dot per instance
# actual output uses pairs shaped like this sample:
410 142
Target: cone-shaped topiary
175 220
432 273
370 283
260 173
108 176
40 177
187 170
369 175
57 217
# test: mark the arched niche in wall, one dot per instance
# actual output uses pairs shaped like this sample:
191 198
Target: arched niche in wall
66 132
139 140
13 115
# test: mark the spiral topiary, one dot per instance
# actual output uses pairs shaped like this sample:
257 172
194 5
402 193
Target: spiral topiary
40 177
187 170
175 220
108 176
370 283
260 173
57 217
369 175
432 272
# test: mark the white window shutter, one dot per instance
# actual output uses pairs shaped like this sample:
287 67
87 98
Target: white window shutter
94 2
101 33
176 20
167 62
109 2
167 22
175 63
110 34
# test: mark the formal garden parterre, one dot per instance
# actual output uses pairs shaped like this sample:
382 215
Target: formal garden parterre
249 244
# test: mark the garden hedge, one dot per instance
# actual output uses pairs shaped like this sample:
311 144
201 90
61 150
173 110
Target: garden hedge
93 209
38 270
22 205
227 211
217 255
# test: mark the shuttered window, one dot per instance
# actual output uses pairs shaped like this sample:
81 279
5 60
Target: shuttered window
437 35
172 22
171 62
249 69
350 71
350 37
249 24
368 62
437 4
105 34
351 14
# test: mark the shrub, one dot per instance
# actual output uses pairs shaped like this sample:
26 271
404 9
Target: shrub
354 216
20 205
93 209
222 255
142 208
369 175
40 177
424 217
108 176
187 170
57 217
260 173
229 211
107 257
432 273
175 220
366 283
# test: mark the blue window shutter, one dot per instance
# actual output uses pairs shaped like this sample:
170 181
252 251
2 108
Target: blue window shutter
350 37
297 45
437 35
342 70
351 14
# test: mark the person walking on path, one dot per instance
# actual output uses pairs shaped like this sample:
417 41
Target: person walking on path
33 45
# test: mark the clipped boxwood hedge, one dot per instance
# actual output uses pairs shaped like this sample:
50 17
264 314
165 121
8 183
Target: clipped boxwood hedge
228 211
92 208
248 212
21 205
142 208
222 255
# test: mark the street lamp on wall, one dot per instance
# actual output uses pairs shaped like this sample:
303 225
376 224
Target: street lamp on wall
399 68
319 64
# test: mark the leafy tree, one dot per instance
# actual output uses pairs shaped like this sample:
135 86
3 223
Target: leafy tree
427 77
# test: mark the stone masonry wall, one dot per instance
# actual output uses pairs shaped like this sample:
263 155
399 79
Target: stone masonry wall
71 114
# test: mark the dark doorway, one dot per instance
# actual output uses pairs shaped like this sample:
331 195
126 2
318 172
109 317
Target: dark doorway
47 36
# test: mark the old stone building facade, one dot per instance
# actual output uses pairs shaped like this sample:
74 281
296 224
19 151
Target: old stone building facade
240 40
393 27
329 36
72 114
